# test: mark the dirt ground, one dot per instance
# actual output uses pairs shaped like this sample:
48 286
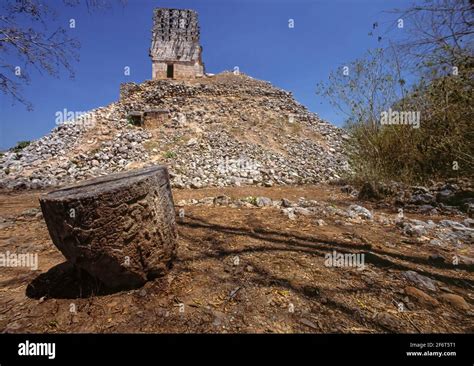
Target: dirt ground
240 270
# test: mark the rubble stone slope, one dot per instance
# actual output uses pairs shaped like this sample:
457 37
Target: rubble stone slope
221 130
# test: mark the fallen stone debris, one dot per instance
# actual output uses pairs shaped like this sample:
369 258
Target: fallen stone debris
225 130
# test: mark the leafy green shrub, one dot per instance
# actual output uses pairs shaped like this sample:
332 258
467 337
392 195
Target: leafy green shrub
20 146
251 199
169 154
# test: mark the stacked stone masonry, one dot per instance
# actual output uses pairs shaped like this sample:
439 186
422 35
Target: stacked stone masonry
175 50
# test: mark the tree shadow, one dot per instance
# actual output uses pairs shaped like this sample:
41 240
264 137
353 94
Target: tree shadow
316 293
320 246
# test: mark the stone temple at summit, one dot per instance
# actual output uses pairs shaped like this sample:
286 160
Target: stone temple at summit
175 50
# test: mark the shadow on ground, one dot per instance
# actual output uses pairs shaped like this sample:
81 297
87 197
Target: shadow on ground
65 281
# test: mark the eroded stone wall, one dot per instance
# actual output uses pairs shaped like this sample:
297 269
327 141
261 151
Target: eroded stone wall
180 70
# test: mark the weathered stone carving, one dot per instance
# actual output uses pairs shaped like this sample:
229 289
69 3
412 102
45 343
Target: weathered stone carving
120 228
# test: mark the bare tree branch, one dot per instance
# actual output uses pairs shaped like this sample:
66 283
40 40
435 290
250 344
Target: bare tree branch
26 40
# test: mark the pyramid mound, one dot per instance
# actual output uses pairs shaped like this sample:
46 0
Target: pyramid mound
221 130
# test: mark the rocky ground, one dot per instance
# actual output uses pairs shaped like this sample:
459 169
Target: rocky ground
224 130
254 259
271 238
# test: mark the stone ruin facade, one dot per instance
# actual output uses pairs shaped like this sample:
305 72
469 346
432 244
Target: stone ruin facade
149 118
175 50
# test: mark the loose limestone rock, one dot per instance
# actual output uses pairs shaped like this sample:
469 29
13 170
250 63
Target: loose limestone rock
119 228
456 301
421 297
221 131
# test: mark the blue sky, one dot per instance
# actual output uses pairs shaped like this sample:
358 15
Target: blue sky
251 34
